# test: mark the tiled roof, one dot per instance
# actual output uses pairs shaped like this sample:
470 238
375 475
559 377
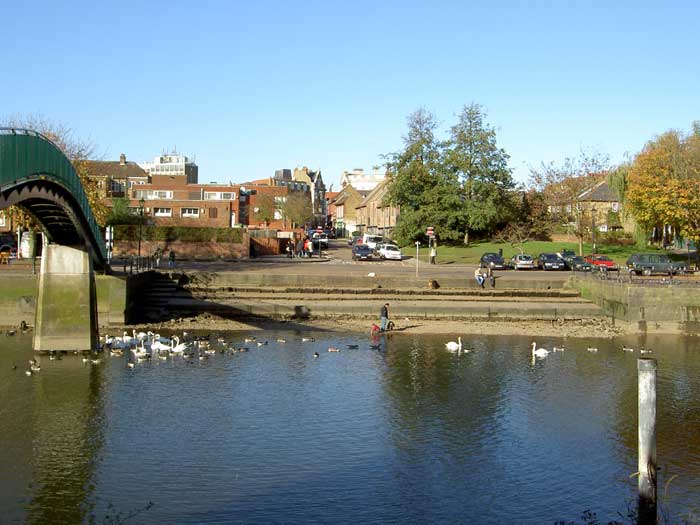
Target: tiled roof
114 169
601 192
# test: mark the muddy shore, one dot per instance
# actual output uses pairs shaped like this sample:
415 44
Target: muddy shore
587 328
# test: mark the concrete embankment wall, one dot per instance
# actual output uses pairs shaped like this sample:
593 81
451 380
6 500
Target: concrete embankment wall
341 280
18 299
660 307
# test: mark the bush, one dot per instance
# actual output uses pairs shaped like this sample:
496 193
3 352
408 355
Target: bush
130 232
616 238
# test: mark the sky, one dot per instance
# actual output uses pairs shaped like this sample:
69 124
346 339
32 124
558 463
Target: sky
248 87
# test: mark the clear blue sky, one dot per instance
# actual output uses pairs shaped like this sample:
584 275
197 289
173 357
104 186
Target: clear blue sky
249 87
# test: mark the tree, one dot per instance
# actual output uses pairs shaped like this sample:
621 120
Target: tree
120 213
563 185
455 186
296 208
482 168
264 208
663 184
77 151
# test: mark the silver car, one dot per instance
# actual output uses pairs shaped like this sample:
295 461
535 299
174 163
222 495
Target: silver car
522 261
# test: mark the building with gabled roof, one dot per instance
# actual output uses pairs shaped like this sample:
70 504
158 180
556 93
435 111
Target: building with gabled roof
374 215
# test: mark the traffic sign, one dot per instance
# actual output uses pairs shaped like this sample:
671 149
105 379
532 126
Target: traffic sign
319 230
430 232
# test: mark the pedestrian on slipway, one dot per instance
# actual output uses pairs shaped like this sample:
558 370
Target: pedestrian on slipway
383 317
433 254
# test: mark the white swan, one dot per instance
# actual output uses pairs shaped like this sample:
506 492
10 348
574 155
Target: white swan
454 346
178 347
539 352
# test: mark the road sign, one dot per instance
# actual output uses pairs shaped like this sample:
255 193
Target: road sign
319 230
430 232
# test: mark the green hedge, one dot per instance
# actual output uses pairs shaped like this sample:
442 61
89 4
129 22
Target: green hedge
130 232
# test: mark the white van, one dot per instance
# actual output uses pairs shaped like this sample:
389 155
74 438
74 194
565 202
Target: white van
371 240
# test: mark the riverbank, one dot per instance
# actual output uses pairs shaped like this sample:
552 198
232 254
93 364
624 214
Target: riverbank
583 328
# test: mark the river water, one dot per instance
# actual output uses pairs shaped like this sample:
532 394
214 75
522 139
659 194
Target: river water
407 433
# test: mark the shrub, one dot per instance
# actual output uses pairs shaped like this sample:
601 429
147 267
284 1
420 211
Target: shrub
130 232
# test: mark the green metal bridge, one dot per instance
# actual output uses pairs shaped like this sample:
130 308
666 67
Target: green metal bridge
37 176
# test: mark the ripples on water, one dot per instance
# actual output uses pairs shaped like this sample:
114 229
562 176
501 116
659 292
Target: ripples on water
411 433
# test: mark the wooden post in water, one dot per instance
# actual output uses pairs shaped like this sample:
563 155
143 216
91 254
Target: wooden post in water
646 483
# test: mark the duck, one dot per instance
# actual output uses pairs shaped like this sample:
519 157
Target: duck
308 339
557 349
592 349
10 332
130 364
35 368
316 354
221 340
452 345
627 349
243 349
333 349
261 343
28 372
249 340
539 352
95 361
353 347
376 347
645 351
280 340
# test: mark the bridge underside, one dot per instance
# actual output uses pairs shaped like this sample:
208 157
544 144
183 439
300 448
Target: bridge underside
52 207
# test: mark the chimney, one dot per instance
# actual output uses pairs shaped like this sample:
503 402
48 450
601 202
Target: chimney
122 160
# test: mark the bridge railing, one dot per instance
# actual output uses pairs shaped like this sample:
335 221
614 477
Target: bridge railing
34 155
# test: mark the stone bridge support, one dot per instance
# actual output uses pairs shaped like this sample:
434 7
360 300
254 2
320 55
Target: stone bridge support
66 310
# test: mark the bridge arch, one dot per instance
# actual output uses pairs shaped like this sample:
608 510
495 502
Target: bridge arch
36 175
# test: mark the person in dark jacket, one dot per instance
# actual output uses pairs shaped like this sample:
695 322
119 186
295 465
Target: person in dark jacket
384 317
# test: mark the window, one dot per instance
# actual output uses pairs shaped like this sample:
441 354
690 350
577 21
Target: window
163 212
615 206
2 219
189 212
153 194
219 196
117 186
213 213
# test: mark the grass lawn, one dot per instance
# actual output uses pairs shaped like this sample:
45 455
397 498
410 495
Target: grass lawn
472 253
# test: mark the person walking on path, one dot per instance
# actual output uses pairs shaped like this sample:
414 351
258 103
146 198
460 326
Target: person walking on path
158 256
433 254
300 248
490 276
171 259
479 278
383 317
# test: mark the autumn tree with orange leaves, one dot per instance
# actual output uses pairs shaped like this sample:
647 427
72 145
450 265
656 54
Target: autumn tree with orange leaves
663 184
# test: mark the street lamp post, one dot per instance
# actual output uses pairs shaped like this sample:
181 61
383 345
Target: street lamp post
142 202
593 228
417 245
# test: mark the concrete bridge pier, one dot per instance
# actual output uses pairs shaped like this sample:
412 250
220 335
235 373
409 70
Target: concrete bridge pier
66 310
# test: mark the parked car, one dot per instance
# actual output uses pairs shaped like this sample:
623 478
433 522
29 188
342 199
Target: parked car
550 261
601 262
372 240
353 240
390 251
321 238
492 259
649 263
522 261
578 264
361 252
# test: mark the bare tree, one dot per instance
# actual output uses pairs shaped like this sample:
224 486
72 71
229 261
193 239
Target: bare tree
563 185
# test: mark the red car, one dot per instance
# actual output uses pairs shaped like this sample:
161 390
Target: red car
601 261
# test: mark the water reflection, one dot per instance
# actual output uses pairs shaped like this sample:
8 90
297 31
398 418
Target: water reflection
406 433
53 431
